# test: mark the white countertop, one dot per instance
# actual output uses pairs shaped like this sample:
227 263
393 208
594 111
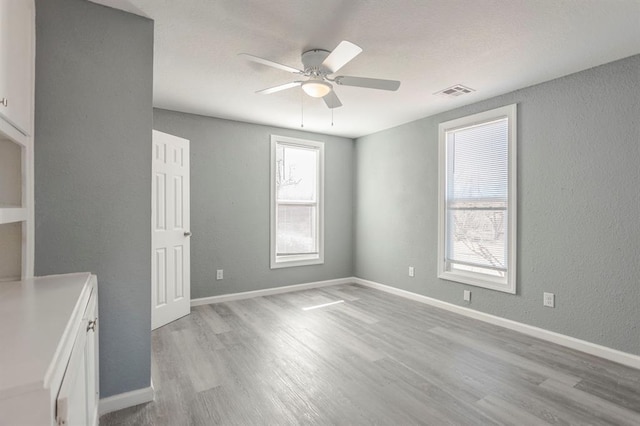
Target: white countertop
34 314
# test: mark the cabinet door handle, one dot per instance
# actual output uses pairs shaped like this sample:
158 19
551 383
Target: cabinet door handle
187 233
92 325
4 102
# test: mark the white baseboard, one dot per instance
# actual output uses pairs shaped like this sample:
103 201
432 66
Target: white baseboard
610 354
269 291
126 400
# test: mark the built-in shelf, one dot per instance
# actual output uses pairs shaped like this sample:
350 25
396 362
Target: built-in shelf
7 131
10 251
16 139
10 214
11 182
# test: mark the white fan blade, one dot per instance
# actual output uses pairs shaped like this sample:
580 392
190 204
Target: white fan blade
271 63
279 88
331 99
369 83
342 54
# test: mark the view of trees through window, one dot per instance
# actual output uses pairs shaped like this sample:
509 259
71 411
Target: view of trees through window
479 239
296 199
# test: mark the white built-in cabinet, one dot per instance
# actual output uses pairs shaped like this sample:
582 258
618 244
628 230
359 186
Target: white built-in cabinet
48 325
17 64
49 356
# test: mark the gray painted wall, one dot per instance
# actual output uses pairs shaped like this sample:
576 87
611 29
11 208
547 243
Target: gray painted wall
578 177
94 74
579 203
230 204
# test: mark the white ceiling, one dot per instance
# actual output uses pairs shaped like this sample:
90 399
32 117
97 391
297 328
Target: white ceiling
492 46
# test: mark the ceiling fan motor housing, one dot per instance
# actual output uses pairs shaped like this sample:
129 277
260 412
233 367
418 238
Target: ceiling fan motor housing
312 61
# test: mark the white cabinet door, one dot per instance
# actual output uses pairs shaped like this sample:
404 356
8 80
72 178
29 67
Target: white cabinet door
77 402
16 57
91 360
71 404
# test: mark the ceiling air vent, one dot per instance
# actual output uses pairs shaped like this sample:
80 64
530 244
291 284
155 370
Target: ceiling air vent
455 91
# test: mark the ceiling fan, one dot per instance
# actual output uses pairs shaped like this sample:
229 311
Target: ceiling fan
318 66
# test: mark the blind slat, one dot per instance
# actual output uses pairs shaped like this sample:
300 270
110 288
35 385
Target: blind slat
476 195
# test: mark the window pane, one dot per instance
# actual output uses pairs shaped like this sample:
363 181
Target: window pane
478 237
477 189
296 173
296 230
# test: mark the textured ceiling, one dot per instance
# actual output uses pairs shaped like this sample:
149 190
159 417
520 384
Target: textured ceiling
492 46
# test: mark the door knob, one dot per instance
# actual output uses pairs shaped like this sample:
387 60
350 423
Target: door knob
4 102
187 234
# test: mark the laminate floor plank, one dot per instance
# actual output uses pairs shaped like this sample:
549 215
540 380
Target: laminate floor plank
505 356
214 321
373 358
624 395
597 406
340 294
356 313
506 413
580 362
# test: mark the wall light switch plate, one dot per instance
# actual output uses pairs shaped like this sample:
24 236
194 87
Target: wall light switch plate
412 271
219 274
467 295
549 300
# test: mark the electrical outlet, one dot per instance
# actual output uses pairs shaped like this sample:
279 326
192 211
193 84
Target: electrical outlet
219 274
549 300
412 271
467 295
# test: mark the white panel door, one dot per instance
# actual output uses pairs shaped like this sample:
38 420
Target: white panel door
170 258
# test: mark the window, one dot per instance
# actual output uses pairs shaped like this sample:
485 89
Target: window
477 200
297 175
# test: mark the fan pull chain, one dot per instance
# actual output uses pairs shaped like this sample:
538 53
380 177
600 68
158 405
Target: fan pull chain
301 109
332 116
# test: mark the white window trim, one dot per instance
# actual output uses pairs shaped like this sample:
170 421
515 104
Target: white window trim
304 259
507 284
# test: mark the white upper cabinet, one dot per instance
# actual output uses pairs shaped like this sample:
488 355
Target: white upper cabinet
16 61
17 70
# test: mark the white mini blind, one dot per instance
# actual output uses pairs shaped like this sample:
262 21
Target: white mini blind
477 188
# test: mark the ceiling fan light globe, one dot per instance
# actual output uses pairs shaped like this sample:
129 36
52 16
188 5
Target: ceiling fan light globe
316 88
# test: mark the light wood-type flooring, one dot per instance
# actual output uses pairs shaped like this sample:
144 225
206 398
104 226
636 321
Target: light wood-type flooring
373 359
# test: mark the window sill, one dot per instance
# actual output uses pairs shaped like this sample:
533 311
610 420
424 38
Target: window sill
292 261
479 281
